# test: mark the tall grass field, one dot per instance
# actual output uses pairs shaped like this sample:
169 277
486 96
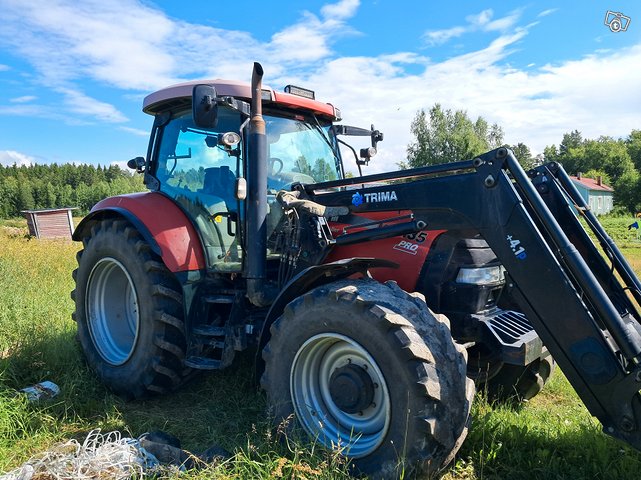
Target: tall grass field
550 437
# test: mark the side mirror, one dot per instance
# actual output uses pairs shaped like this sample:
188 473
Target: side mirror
366 153
377 136
204 106
137 164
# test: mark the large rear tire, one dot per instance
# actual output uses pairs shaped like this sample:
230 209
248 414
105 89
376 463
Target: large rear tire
367 369
129 312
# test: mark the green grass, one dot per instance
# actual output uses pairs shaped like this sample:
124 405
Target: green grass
617 228
551 437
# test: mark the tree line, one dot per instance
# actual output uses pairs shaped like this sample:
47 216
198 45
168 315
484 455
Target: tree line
441 136
617 161
56 186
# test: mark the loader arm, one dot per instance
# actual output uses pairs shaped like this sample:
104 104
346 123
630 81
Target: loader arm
586 317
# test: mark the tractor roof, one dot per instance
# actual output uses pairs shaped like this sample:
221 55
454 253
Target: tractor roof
180 95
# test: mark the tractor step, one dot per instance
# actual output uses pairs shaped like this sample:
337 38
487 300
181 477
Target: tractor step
209 331
224 299
202 363
210 342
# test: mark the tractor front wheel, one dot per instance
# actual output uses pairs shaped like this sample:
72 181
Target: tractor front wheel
128 312
366 369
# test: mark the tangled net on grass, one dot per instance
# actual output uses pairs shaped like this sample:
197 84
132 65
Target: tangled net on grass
100 456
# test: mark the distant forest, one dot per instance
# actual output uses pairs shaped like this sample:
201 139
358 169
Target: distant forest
56 186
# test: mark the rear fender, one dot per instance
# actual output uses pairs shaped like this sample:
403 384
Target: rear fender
164 226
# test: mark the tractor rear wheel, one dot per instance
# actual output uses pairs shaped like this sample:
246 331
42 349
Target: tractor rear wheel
365 368
128 312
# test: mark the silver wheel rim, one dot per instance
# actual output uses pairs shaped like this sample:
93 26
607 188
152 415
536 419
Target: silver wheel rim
356 435
112 311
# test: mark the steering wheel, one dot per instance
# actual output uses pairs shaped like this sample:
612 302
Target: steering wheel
275 166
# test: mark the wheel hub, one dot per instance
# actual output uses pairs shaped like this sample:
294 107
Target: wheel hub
340 395
351 388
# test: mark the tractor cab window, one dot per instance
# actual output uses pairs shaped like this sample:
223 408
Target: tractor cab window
200 174
299 151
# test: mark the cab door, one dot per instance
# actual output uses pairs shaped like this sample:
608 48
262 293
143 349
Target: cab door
199 173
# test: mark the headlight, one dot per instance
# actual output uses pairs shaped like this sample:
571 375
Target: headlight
481 276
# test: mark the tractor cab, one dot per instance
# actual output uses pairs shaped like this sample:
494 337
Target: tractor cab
204 170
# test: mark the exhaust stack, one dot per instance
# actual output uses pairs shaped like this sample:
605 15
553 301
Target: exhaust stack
255 265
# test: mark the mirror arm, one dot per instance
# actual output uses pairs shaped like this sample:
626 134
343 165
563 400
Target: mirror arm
238 105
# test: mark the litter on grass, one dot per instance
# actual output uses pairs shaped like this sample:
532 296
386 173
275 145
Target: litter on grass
100 456
41 391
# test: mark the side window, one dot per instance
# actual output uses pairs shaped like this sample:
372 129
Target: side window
191 160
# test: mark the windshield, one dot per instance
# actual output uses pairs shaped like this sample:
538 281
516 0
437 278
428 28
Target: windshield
300 151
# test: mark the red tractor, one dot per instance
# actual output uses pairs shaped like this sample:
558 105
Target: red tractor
252 236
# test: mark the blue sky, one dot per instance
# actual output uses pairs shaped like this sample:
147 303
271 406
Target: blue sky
73 73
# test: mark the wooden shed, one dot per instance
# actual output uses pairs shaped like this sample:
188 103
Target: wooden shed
51 223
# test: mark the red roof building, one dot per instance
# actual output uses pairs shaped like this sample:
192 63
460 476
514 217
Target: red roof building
596 193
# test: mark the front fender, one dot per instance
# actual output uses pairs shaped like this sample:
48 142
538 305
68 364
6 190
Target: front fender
308 279
160 221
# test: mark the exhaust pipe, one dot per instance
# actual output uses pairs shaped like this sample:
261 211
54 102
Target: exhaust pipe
255 265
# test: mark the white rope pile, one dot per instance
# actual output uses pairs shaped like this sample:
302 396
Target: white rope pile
100 456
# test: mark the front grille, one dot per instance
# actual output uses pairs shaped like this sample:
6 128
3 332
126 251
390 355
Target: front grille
510 326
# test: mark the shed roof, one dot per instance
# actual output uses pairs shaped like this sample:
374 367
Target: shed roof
47 210
592 184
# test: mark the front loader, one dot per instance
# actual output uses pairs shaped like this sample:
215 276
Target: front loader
252 236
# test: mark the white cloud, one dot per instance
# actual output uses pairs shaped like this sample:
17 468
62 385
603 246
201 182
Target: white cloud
502 24
11 157
342 10
23 99
79 103
439 37
51 112
20 110
144 49
535 106
4 67
480 19
477 22
547 12
136 131
94 39
299 43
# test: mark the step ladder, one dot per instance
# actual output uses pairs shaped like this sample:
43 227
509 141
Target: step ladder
210 344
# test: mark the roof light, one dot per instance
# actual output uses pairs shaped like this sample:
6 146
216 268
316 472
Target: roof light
301 92
265 94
